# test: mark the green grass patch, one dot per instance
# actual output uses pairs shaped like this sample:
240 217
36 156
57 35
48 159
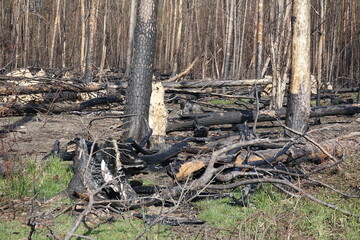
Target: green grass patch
274 215
41 179
127 228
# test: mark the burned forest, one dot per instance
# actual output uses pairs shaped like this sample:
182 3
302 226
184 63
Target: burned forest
153 108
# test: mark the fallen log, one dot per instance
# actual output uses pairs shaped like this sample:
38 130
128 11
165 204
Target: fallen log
13 85
8 109
12 88
234 117
217 83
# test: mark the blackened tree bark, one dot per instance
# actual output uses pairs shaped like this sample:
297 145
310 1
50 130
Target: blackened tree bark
139 89
298 108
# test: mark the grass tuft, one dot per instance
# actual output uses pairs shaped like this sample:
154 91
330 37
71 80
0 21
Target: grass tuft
274 215
40 179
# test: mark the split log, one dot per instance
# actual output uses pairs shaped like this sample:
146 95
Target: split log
234 117
23 109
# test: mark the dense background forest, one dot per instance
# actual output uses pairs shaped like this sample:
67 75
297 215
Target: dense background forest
221 34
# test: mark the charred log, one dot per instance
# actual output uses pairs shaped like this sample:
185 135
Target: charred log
9 109
236 117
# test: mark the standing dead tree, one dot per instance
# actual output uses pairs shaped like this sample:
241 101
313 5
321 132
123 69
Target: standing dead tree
298 109
139 88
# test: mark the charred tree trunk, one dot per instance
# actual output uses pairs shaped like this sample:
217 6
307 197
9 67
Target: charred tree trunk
298 110
139 89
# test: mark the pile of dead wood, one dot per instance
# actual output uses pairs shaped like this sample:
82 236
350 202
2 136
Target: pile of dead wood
21 96
103 170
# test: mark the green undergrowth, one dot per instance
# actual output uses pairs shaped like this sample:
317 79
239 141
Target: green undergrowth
274 215
37 179
271 214
127 228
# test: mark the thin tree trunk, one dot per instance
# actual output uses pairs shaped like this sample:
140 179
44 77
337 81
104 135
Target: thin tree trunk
252 65
236 37
178 38
216 36
2 25
228 37
103 55
26 32
320 51
242 36
259 39
280 50
16 30
173 36
333 53
63 55
206 46
130 38
53 36
163 42
83 36
90 39
168 36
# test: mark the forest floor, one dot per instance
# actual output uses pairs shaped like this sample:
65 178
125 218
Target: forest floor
32 138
